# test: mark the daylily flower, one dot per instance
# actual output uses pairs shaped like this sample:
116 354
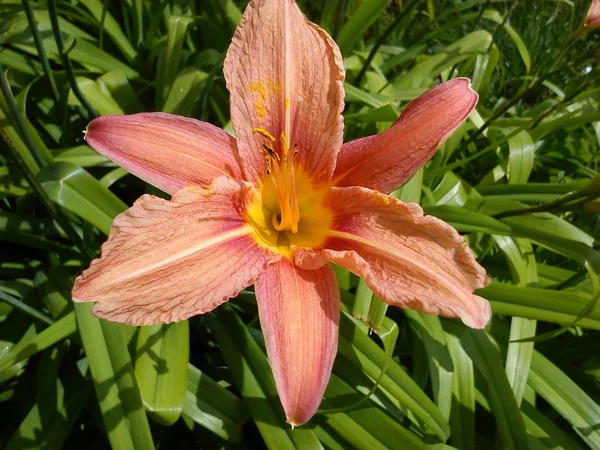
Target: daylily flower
591 20
276 205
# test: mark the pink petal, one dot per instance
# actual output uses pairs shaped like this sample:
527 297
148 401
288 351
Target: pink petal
165 261
407 259
165 150
284 72
385 161
299 314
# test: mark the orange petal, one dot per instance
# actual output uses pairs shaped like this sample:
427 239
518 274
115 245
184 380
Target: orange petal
285 74
165 261
165 150
299 314
407 259
385 161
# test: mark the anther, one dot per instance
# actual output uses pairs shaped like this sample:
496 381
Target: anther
270 151
264 133
268 164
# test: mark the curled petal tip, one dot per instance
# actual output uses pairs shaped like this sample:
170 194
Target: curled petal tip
481 315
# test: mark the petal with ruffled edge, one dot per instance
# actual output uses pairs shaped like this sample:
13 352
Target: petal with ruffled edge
285 73
385 161
407 259
165 150
299 313
165 261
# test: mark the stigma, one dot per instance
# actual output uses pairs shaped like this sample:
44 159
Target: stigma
279 169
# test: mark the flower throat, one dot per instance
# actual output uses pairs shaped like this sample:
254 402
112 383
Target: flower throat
279 167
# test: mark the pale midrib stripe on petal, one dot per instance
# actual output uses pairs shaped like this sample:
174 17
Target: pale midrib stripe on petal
204 244
298 296
203 163
351 237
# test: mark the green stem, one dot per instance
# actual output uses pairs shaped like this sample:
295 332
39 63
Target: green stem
25 308
518 96
339 18
12 105
555 205
47 202
102 20
39 45
381 40
65 59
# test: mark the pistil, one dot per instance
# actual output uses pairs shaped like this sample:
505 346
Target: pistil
280 170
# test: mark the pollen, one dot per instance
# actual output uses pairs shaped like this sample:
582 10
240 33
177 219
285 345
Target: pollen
264 133
259 88
284 146
274 87
268 167
259 107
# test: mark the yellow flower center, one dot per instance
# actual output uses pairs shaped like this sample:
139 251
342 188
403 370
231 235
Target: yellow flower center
289 209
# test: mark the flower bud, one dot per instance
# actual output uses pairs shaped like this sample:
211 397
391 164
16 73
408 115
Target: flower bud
591 21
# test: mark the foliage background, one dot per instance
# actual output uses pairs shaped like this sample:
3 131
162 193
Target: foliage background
519 179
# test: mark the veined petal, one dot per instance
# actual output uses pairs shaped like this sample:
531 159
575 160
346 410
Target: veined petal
165 261
385 161
165 150
407 259
299 313
285 75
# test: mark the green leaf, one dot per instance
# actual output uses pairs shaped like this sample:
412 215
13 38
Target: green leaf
362 301
462 417
213 407
82 155
161 373
111 27
185 91
110 364
252 376
488 362
56 408
495 16
520 160
76 190
429 329
366 427
84 53
30 345
582 412
358 23
424 72
170 58
97 95
546 304
358 348
520 256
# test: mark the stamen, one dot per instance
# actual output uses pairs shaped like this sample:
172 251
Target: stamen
284 147
264 133
283 179
270 151
294 202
